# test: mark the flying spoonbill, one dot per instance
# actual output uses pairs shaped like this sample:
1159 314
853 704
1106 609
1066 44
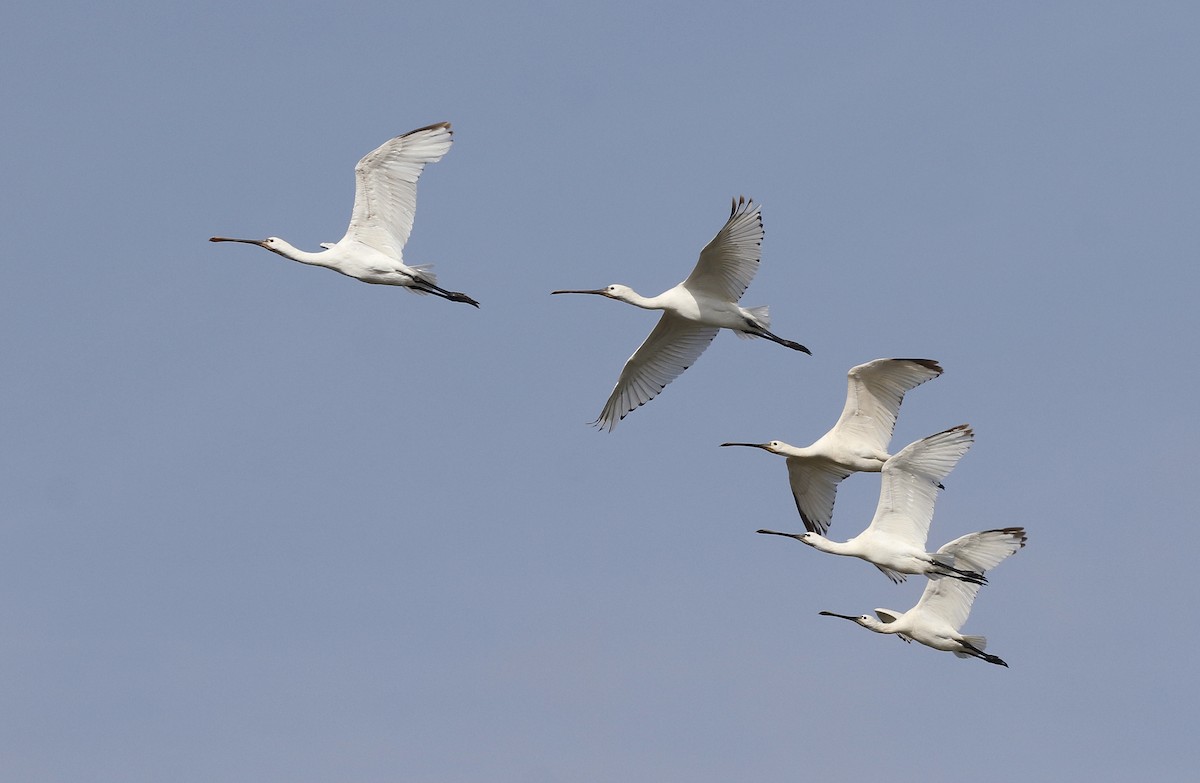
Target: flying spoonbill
894 542
693 312
944 606
385 200
858 441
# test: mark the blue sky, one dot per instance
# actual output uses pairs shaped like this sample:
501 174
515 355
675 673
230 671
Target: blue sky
260 522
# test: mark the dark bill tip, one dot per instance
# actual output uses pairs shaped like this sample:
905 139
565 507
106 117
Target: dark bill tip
797 536
230 239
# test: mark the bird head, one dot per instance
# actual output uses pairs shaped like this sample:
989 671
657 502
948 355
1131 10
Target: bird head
276 245
808 537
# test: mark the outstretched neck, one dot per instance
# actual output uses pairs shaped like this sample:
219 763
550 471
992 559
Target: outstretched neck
289 251
820 542
645 302
871 624
788 450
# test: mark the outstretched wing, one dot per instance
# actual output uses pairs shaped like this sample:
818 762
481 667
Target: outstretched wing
984 550
385 193
911 480
814 486
873 396
949 599
671 348
727 264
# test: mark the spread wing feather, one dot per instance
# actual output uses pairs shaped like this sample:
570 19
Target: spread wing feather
671 348
727 264
385 193
873 396
911 480
948 598
814 486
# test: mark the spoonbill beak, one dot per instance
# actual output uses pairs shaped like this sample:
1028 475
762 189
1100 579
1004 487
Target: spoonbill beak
796 536
751 445
843 616
597 291
227 239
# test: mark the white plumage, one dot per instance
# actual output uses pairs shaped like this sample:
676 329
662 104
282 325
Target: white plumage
385 202
895 540
858 442
693 312
945 604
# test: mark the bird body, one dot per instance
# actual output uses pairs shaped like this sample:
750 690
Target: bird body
897 556
385 201
895 540
945 604
693 312
695 306
857 443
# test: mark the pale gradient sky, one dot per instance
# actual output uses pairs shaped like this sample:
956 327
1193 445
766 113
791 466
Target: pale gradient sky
260 522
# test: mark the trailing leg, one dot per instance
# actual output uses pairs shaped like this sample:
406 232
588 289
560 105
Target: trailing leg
786 343
969 649
973 577
453 296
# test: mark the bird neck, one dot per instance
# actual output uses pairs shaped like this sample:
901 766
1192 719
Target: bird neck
788 450
871 624
820 542
294 253
645 302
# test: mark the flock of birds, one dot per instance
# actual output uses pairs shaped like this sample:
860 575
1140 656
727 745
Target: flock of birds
692 313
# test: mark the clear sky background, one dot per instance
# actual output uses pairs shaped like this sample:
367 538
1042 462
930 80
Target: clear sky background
261 522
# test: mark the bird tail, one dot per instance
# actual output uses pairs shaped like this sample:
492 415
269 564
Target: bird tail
978 642
421 273
424 273
761 317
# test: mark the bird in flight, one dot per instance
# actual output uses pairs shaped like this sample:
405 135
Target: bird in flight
895 540
943 608
385 200
858 441
693 312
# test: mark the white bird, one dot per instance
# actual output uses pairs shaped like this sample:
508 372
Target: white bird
895 540
385 200
945 604
859 440
693 312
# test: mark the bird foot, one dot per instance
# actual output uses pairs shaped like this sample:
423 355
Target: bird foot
456 296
